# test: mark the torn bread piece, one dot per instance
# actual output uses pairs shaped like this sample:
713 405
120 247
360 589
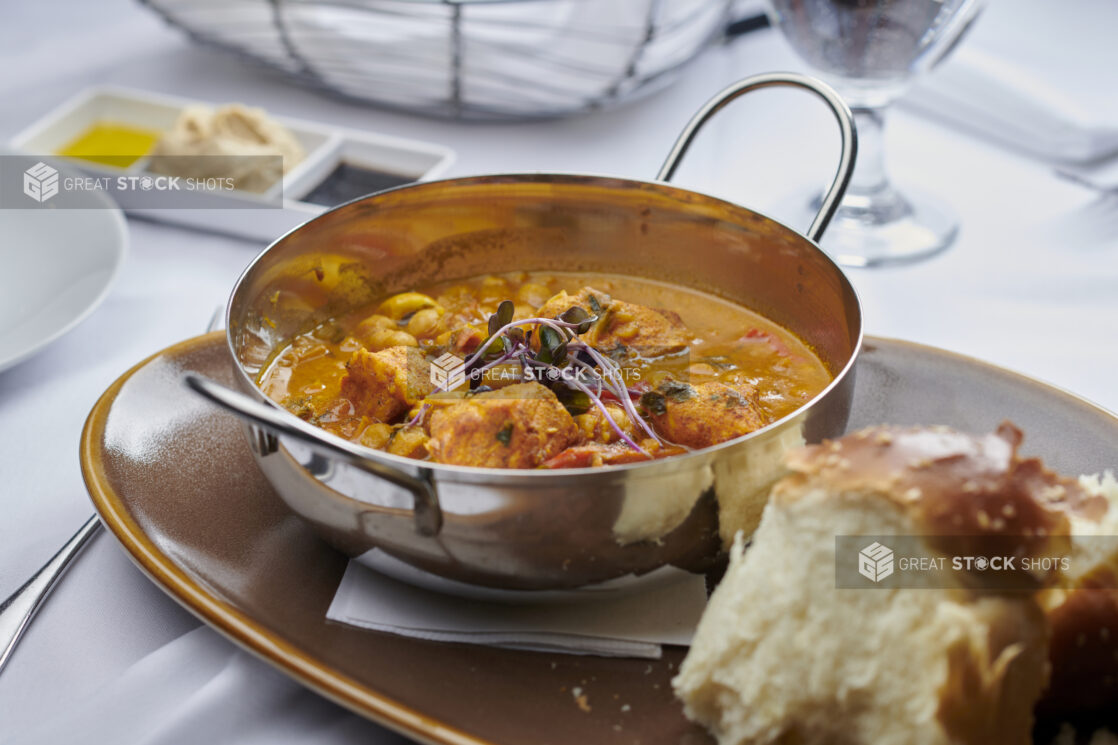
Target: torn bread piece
782 655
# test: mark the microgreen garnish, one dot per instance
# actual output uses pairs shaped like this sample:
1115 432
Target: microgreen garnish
504 434
553 347
576 372
502 317
579 317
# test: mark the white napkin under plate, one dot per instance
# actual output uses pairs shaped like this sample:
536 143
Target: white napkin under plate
632 625
1051 96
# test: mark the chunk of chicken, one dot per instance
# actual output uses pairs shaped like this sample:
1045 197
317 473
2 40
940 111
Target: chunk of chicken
650 332
594 302
409 442
593 426
705 414
519 426
383 385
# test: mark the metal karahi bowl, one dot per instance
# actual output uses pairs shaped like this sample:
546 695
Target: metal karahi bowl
526 535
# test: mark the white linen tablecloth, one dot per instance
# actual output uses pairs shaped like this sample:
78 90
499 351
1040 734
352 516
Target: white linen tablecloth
1032 284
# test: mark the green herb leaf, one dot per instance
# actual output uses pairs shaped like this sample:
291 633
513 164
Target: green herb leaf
576 402
733 399
618 354
676 391
595 306
654 403
504 434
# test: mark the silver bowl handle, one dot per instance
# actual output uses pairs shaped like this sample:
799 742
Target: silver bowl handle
838 107
428 515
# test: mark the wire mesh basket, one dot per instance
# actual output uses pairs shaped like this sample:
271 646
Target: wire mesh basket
466 59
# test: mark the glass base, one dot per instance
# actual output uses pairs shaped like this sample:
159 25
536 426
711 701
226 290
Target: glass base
886 229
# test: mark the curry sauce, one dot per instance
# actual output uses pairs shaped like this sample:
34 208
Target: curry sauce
563 369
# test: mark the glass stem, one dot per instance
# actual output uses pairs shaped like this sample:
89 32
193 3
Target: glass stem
869 177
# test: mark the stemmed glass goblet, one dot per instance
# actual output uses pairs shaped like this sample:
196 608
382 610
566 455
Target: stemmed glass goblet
870 50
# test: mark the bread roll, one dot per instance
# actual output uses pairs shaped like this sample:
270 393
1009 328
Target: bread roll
783 656
1083 612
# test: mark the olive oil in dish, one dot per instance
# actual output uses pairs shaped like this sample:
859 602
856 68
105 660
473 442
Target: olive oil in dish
111 144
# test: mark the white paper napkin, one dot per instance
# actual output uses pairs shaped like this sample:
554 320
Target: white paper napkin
633 625
1049 96
1006 101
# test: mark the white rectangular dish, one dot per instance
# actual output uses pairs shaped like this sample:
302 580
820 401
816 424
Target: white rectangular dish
250 215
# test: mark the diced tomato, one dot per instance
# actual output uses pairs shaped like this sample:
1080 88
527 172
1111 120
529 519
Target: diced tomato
466 340
573 457
584 456
774 341
619 456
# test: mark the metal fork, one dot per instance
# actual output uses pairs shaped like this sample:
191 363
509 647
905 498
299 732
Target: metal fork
18 610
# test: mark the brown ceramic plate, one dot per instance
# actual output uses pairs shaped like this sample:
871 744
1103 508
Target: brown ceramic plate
173 479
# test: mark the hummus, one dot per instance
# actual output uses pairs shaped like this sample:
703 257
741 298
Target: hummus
224 136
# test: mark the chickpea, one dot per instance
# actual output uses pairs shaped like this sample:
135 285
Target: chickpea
493 290
533 294
349 345
374 323
702 369
387 338
423 322
456 298
375 436
406 303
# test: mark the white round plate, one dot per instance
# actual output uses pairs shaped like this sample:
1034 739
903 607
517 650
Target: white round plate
57 266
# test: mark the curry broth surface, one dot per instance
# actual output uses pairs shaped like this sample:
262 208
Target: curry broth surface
732 344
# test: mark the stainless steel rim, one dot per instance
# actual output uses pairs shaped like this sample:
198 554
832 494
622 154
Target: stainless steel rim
511 476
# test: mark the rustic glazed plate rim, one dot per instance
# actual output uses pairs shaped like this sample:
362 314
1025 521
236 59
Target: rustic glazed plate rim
235 625
247 632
